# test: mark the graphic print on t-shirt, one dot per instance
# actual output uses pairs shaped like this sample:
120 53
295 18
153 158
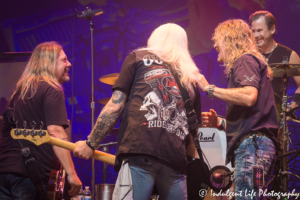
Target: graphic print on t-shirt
164 105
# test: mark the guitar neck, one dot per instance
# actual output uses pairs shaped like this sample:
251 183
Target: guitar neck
98 155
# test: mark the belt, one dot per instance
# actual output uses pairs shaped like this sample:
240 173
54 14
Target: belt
250 135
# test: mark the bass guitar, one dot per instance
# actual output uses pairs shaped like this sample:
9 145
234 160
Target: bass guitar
39 137
56 184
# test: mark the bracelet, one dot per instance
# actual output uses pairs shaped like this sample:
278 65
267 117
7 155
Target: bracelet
297 104
210 91
89 143
222 124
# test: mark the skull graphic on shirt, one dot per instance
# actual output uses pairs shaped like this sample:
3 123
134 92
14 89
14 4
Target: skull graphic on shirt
164 105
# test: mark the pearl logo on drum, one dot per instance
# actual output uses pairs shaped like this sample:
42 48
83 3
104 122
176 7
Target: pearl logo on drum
206 139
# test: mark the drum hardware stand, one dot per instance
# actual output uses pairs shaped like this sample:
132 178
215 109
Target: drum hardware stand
105 149
88 14
286 137
285 133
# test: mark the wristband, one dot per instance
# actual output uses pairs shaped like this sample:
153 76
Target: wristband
297 104
210 91
296 98
89 143
221 126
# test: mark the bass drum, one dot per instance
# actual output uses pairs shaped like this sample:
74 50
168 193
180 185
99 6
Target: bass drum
213 143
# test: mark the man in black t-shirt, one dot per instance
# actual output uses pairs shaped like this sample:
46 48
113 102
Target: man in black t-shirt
251 121
38 97
154 131
263 25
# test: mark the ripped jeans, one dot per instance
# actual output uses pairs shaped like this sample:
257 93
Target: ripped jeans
244 160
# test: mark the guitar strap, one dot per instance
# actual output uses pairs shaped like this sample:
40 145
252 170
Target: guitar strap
193 126
32 169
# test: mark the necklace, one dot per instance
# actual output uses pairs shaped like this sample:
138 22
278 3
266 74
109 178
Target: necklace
267 59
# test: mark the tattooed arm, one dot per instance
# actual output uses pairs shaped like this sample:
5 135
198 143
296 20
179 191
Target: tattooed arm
104 124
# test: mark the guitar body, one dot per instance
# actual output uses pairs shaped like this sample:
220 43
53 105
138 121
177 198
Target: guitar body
56 184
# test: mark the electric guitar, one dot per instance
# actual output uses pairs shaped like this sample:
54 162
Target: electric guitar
39 137
56 184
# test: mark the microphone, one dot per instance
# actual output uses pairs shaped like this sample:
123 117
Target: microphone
88 13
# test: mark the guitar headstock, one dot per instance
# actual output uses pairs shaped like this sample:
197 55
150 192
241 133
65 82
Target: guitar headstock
38 137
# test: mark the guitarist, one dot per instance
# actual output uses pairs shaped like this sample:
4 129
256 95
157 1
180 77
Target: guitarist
153 132
251 122
38 97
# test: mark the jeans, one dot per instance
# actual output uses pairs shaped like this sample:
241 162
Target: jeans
245 159
14 186
147 172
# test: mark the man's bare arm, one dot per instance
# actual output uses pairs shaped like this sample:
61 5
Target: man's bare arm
104 124
108 117
244 96
65 159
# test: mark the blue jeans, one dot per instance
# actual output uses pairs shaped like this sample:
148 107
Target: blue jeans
147 172
14 186
245 159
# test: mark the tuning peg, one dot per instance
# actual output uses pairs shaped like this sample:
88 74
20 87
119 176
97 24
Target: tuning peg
17 131
41 126
32 124
41 132
25 132
33 132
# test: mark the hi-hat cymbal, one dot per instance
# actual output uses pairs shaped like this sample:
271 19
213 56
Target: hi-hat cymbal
104 100
291 69
110 79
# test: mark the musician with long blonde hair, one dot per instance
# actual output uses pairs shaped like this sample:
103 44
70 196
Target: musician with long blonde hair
251 123
37 98
154 130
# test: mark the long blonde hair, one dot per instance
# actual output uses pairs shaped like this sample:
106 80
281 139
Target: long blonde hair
239 40
169 42
41 66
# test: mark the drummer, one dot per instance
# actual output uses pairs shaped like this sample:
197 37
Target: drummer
263 25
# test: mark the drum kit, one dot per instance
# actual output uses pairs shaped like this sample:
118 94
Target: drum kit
213 142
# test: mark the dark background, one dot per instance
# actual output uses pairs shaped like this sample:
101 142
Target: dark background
125 26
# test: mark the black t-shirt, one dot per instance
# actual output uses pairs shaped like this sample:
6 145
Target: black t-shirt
262 115
154 122
48 106
277 56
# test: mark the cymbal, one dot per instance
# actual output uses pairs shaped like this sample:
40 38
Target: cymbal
109 79
104 100
291 69
283 64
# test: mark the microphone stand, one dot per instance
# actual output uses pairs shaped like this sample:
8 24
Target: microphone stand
285 133
88 14
105 149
